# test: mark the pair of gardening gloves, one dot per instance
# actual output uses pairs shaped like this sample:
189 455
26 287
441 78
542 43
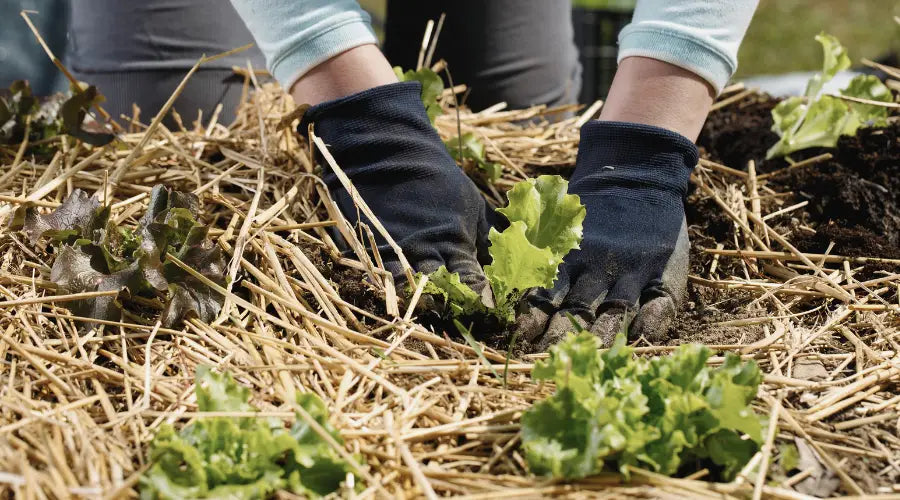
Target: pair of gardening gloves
632 179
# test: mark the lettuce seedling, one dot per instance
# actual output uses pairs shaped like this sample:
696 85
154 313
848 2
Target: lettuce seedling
815 120
612 410
242 457
432 88
545 224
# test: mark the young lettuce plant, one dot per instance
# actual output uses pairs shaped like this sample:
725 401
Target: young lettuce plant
545 223
93 253
815 120
612 410
242 458
48 117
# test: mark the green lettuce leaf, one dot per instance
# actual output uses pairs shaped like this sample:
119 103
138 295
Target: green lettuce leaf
517 265
834 60
612 410
552 217
432 88
462 299
219 392
242 457
545 224
818 121
868 87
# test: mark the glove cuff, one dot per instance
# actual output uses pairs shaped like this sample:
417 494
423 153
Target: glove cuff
619 155
377 106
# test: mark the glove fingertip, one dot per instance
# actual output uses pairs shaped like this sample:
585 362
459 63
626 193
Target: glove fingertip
655 319
609 324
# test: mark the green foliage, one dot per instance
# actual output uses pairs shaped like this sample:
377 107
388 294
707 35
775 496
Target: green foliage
789 458
545 224
470 149
432 88
48 117
241 457
613 410
818 120
606 5
94 254
552 217
461 299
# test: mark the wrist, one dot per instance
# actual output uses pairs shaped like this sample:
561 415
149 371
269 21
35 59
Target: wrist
350 72
652 92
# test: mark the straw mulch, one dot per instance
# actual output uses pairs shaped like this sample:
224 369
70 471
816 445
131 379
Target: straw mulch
79 405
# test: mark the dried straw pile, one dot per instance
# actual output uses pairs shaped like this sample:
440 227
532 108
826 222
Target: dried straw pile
78 406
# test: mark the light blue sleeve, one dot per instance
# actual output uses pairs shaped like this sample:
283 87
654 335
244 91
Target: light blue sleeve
297 35
701 36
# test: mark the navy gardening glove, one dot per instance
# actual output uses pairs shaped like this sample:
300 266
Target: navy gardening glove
383 140
632 179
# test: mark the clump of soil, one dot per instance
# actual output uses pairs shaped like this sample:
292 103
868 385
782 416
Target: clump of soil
740 132
351 284
858 189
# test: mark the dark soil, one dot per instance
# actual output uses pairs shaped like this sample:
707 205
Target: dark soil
854 204
351 284
740 132
854 198
859 189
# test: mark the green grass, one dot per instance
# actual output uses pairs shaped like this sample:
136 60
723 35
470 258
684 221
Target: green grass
780 38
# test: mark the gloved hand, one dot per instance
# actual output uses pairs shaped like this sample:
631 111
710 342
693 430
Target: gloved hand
383 140
632 179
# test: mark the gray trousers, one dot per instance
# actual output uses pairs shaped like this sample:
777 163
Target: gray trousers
138 51
521 52
518 51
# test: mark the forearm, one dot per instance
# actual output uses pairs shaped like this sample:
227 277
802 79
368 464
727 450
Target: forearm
657 93
360 68
701 36
329 44
674 58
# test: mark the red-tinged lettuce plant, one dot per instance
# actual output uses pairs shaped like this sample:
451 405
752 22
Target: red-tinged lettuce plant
95 254
46 118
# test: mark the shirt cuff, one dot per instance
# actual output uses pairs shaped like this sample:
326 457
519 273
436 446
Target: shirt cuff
669 44
299 59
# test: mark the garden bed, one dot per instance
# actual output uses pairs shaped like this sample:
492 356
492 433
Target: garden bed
80 405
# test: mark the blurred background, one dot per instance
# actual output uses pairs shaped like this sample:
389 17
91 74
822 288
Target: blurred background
779 40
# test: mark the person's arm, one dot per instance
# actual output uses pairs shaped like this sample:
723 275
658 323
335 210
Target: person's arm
633 169
320 50
377 130
674 58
